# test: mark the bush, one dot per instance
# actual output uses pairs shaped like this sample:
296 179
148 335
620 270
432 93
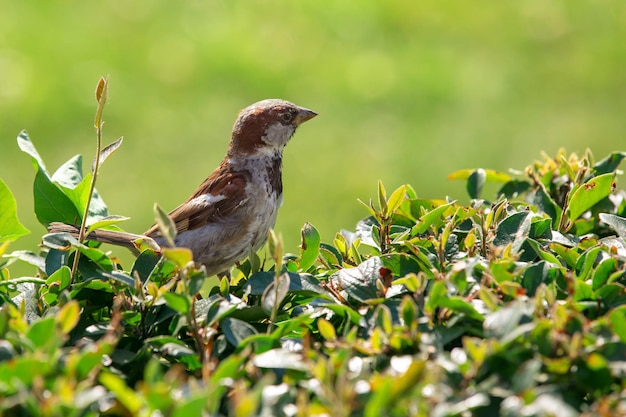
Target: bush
513 307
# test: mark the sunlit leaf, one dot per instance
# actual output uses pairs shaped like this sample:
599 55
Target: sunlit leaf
588 194
360 282
326 329
617 223
433 218
179 256
609 164
490 175
603 271
190 407
459 305
166 225
105 221
74 185
42 332
62 277
309 247
395 199
125 395
513 230
68 316
178 302
51 204
10 227
382 197
280 359
107 151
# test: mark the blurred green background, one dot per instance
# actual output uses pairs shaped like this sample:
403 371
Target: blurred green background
407 92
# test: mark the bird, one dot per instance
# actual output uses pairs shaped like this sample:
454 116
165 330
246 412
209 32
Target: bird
230 214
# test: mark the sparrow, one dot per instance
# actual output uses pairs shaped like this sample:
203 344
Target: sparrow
230 214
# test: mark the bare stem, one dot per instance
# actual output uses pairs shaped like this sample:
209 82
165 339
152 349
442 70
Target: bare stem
102 90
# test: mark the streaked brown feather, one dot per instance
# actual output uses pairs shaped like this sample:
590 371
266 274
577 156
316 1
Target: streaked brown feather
223 181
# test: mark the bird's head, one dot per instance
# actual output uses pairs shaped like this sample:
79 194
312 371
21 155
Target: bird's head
265 127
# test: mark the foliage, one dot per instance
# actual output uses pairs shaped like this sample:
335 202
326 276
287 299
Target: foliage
409 91
514 307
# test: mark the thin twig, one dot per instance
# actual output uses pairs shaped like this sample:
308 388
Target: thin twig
102 90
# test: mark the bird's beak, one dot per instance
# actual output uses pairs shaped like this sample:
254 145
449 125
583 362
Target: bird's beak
304 115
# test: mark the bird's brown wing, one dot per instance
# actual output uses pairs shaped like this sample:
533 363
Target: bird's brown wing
191 216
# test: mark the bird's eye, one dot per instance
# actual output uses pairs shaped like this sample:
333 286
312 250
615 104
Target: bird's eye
287 117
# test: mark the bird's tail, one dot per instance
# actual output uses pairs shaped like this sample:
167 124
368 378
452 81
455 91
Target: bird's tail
112 237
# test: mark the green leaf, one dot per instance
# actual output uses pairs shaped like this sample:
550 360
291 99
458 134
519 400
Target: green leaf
535 275
280 359
382 197
275 293
190 407
105 221
125 395
586 262
490 175
617 316
408 311
306 283
501 323
179 256
383 318
68 316
145 265
177 302
25 145
70 174
51 203
542 253
603 271
460 305
327 330
433 218
395 200
224 286
42 332
514 230
62 277
588 194
106 152
513 188
360 282
541 228
70 179
214 309
310 246
437 294
569 255
121 278
236 330
617 223
609 164
98 257
10 227
166 225
475 183
546 204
